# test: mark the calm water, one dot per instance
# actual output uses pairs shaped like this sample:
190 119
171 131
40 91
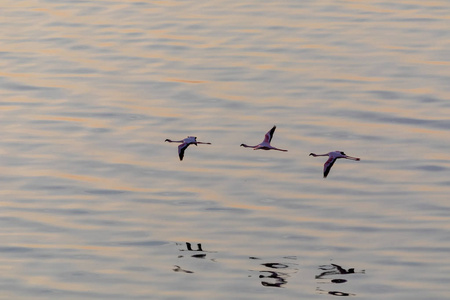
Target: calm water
94 204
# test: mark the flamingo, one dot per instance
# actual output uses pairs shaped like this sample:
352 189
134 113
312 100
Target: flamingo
185 143
265 145
332 159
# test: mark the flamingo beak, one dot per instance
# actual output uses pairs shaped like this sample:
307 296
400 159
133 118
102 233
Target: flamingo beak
352 158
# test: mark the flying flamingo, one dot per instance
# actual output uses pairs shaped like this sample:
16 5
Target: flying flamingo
332 159
265 145
185 143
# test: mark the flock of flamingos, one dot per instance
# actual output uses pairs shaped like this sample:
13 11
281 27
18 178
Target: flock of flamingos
265 145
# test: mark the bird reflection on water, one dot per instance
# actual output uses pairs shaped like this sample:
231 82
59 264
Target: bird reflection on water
334 269
199 248
277 278
276 272
270 276
280 278
201 255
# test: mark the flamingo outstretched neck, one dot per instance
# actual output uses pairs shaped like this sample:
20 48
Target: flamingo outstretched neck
171 141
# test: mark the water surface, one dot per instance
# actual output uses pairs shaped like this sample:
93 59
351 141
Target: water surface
96 206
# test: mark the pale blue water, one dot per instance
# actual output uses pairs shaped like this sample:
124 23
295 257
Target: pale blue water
95 205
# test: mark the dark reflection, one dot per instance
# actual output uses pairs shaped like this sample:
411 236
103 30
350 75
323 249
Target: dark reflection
190 248
338 280
334 269
275 265
199 249
334 293
273 277
342 270
278 277
331 270
179 269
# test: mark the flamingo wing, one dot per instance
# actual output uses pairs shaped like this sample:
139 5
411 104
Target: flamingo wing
327 166
269 135
181 149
